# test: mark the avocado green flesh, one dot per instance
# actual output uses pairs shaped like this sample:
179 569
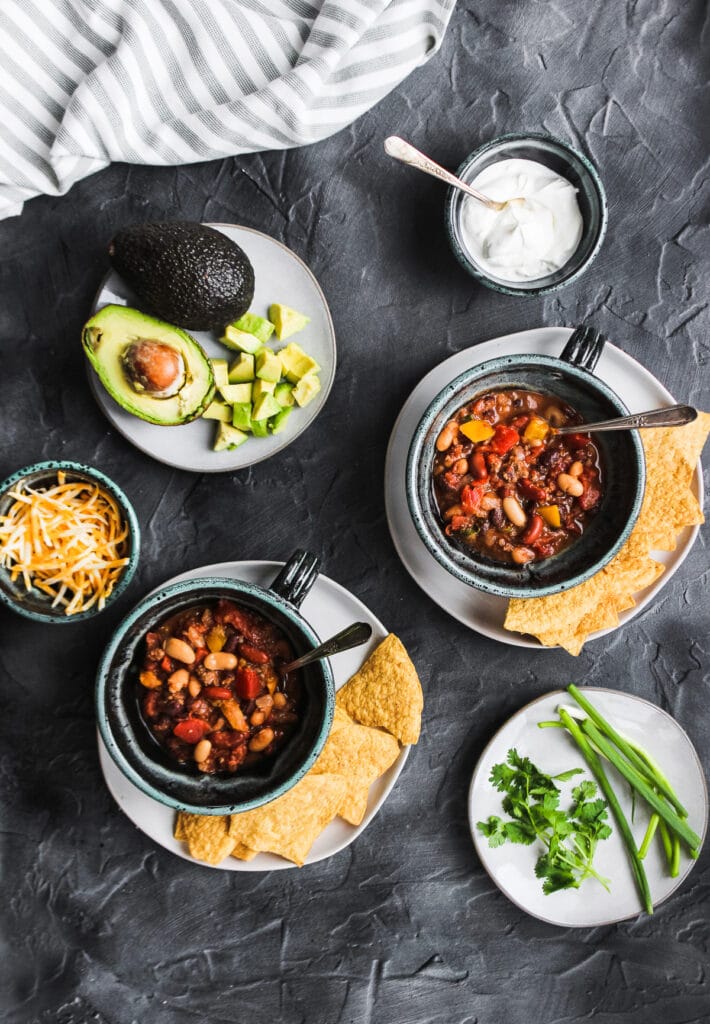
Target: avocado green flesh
108 335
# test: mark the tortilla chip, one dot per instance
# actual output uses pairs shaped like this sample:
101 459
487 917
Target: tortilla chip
386 692
242 852
289 825
207 836
669 506
360 754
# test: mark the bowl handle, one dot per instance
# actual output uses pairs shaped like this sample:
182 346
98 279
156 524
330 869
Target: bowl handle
584 348
297 577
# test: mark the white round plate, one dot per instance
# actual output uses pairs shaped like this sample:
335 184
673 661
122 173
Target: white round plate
281 276
485 613
329 608
512 867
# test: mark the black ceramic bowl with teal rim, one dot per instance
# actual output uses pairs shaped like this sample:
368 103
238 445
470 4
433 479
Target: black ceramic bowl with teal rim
33 604
129 741
571 379
564 160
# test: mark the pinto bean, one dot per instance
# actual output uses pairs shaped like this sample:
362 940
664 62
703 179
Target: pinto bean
180 650
447 436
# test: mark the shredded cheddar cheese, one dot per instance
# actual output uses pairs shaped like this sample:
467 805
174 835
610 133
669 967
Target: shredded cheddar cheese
69 541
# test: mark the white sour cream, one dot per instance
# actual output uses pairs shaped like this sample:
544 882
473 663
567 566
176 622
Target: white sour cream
527 240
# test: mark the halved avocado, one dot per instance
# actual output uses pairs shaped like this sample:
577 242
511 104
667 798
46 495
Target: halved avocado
152 369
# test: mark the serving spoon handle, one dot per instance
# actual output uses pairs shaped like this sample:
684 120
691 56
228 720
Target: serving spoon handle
671 416
352 636
403 151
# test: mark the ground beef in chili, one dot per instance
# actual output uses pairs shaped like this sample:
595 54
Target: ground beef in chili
210 690
507 485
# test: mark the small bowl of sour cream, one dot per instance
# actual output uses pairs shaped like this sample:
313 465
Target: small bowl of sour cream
546 238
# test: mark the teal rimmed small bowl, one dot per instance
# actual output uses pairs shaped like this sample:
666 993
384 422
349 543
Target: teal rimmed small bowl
569 378
33 604
564 160
133 748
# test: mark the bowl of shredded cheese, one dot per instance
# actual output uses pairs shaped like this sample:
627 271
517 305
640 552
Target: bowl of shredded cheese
69 541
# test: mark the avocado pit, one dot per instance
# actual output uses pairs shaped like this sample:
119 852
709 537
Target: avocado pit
154 367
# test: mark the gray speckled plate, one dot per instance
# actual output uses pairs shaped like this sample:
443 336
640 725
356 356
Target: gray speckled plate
281 276
329 608
633 383
512 867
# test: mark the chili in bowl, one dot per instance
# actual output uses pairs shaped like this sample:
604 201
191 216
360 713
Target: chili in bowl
503 502
507 485
191 701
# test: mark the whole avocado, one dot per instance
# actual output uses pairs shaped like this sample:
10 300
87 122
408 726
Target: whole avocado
184 272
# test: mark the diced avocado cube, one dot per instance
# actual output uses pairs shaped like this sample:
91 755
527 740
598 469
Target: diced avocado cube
256 325
278 422
262 387
236 393
220 371
296 363
218 411
268 365
240 341
287 321
306 389
241 416
227 438
283 393
260 428
264 407
242 369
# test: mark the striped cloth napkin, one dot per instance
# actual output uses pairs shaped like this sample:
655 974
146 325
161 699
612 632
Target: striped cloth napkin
86 82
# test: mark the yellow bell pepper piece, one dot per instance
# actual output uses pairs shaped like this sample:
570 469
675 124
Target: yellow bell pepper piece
551 515
477 430
537 429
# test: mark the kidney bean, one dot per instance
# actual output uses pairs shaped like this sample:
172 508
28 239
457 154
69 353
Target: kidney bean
480 469
533 531
530 490
253 654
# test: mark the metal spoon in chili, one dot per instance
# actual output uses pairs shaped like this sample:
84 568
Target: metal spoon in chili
352 636
671 416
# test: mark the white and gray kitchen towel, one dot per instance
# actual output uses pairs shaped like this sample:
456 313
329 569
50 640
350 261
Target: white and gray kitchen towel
87 82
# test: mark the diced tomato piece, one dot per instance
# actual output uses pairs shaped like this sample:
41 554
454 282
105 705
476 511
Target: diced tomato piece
166 664
530 490
545 548
226 611
451 479
480 469
217 692
247 683
459 522
591 494
191 730
504 439
533 531
200 654
253 654
577 440
470 498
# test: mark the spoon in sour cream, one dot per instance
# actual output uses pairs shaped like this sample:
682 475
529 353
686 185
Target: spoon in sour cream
403 151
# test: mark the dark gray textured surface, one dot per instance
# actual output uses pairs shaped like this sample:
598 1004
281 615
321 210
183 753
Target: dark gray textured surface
102 926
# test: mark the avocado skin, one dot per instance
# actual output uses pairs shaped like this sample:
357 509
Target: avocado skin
184 272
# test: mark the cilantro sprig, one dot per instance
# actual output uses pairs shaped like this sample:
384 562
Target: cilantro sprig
570 837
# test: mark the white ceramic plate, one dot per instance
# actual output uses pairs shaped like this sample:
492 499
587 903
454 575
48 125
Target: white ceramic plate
281 276
485 613
512 867
329 608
